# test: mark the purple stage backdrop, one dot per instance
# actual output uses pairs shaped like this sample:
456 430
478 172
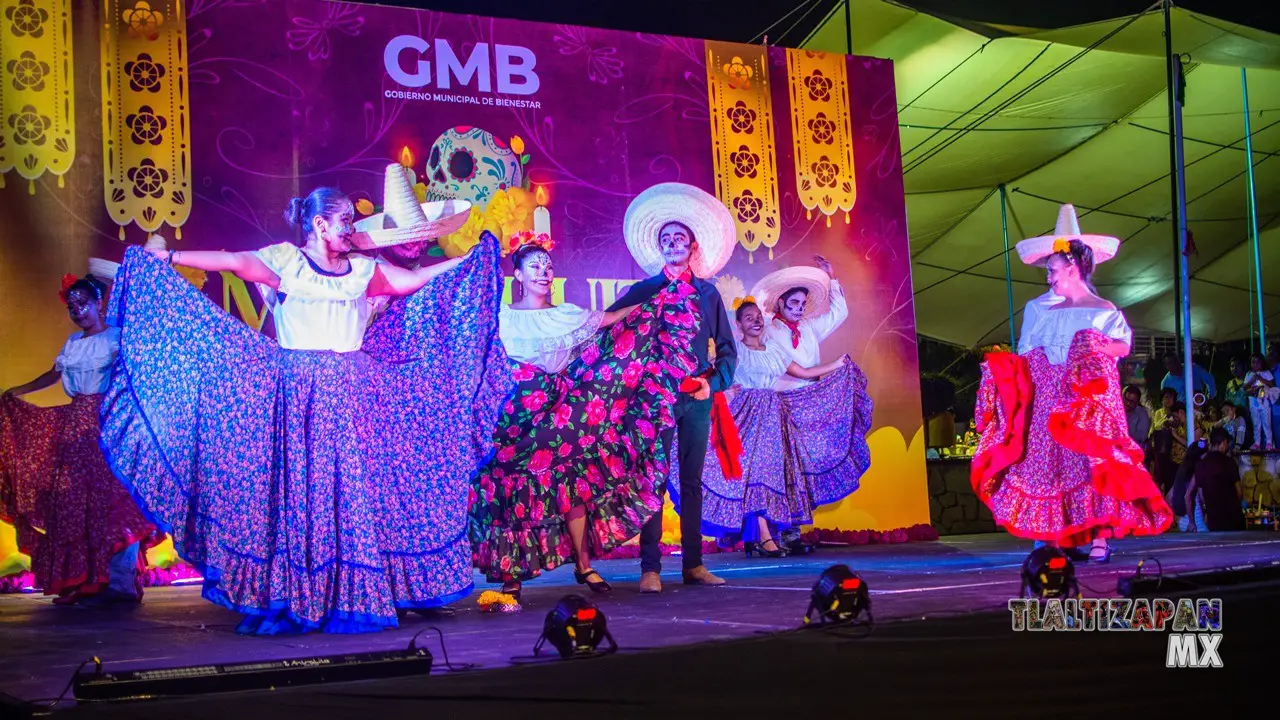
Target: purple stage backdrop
261 101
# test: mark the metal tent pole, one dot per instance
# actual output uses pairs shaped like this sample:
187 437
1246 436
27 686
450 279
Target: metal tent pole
1008 272
1183 264
1253 214
1167 6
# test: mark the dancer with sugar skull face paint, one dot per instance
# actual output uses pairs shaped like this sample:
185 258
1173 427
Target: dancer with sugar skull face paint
801 448
578 465
86 537
318 480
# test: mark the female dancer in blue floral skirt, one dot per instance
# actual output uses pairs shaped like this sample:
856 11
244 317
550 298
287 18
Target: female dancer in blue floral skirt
318 481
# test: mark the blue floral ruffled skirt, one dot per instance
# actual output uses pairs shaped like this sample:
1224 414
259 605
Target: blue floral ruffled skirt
801 449
313 490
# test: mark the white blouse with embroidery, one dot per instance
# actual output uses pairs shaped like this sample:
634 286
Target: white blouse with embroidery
1055 329
86 362
761 369
548 338
313 309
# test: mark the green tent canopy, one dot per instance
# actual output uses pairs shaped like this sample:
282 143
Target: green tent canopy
1078 115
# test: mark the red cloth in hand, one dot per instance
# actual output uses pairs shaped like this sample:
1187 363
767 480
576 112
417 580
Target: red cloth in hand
725 439
724 432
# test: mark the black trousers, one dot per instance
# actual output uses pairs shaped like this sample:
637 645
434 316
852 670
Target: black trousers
693 427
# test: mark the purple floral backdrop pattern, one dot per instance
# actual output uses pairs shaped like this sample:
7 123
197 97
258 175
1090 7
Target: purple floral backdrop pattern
290 95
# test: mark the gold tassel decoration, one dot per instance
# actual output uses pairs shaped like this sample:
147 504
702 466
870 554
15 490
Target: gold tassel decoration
822 133
146 129
37 89
742 138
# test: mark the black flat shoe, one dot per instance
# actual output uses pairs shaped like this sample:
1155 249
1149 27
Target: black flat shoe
759 549
599 586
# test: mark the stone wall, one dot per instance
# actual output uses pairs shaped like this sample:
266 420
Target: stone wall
953 507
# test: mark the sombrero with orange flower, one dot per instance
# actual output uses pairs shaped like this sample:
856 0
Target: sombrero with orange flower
1036 251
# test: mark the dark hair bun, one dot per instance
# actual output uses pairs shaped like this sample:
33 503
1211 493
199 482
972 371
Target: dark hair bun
1082 255
293 213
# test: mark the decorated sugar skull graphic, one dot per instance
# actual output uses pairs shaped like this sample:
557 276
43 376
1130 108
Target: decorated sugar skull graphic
468 163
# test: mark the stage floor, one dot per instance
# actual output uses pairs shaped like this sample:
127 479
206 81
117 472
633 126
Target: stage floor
44 644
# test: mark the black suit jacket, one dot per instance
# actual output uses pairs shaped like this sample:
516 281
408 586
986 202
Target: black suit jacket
714 325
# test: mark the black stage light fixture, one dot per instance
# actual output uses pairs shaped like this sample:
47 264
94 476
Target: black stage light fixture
1049 573
575 628
839 597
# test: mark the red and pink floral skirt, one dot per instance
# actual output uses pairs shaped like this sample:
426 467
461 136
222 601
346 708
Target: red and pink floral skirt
71 514
1055 461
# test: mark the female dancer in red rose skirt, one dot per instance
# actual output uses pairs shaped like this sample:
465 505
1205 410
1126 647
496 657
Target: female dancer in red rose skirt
86 537
576 465
1055 462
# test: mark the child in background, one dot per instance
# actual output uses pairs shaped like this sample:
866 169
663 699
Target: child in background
1258 384
1234 424
1236 394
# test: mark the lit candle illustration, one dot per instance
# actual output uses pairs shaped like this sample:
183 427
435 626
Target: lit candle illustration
406 159
541 215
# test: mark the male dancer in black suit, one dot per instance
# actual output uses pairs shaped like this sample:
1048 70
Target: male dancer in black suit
692 411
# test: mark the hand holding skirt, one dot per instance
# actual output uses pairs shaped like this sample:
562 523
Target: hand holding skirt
312 489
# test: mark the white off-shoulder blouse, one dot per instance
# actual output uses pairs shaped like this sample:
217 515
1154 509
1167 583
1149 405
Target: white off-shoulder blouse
314 309
86 362
548 338
1054 329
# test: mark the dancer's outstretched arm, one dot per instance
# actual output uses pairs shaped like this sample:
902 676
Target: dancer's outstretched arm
818 371
49 378
397 281
613 317
244 265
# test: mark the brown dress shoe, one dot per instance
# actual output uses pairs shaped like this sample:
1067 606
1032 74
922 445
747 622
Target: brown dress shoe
701 576
650 582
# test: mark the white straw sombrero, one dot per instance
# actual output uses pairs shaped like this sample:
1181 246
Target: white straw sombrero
702 213
403 219
1036 251
104 270
772 286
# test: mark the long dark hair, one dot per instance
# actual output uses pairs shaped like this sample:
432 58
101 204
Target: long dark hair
302 212
737 313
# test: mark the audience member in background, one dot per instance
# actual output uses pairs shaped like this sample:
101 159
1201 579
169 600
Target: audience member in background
1234 424
1214 490
1162 440
1183 509
1138 417
1273 361
1260 385
1235 393
1201 380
